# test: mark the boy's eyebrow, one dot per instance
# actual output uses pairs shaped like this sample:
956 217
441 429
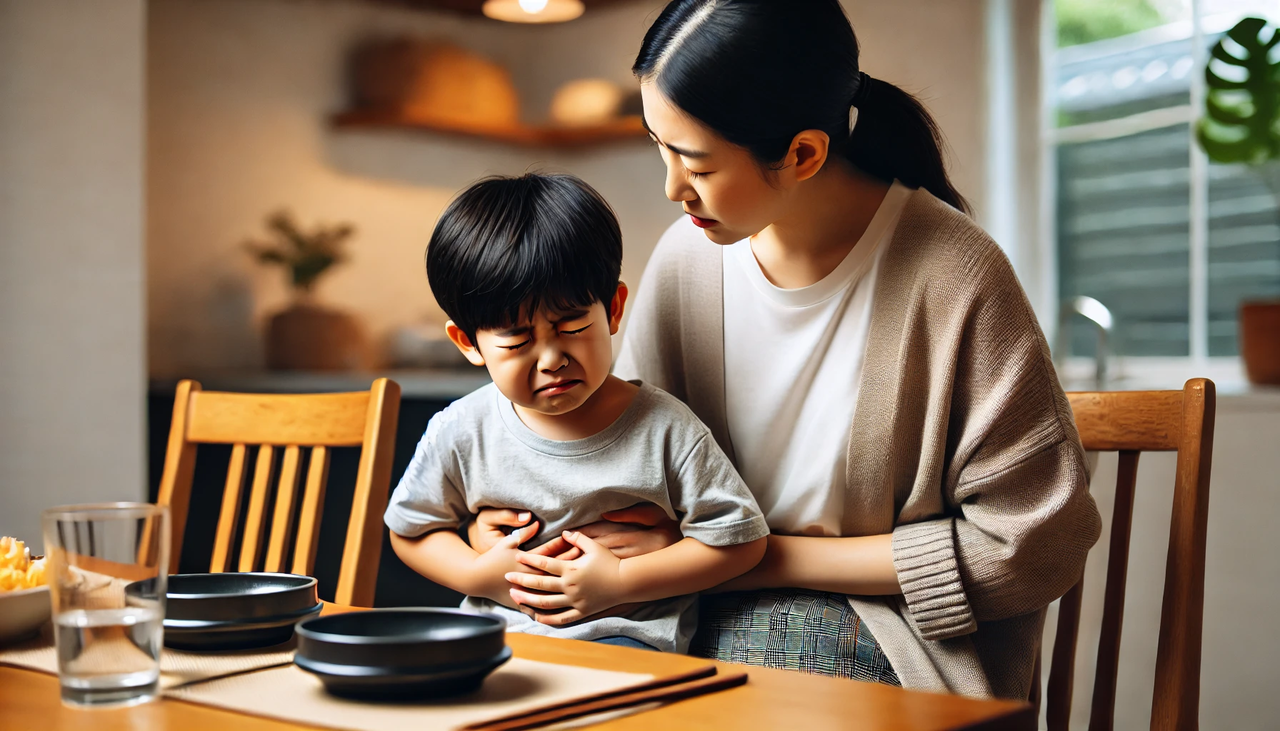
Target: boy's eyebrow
571 315
512 332
695 154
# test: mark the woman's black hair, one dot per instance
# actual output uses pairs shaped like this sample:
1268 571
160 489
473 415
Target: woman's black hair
506 247
758 72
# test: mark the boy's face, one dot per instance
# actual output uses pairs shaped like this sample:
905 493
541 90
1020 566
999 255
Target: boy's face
552 362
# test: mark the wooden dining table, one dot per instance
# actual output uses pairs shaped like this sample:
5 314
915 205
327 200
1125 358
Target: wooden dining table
771 699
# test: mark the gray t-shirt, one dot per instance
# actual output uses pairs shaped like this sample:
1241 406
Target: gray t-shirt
478 454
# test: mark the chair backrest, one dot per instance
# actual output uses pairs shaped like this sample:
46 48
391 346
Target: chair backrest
1130 423
288 424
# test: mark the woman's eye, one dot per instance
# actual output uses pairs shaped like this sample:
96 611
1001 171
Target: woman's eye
517 346
695 176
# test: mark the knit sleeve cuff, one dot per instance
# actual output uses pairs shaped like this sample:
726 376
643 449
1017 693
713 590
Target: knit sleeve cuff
924 555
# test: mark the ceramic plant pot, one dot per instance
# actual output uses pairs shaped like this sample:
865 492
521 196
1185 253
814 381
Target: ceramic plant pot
307 337
1260 341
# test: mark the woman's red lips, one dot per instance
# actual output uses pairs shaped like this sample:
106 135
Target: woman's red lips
703 222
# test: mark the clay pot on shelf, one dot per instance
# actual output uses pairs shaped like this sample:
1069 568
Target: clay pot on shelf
307 337
1260 341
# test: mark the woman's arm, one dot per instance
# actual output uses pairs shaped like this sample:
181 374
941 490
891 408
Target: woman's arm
862 566
599 580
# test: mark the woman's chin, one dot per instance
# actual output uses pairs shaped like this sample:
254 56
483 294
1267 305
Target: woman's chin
722 236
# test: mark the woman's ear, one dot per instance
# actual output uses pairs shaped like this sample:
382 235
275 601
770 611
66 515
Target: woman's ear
463 341
617 307
808 153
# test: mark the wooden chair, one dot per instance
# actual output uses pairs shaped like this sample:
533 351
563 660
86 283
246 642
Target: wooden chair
1131 423
366 419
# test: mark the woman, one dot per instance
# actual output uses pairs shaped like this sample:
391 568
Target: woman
862 351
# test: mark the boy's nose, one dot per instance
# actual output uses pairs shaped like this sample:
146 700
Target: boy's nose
552 359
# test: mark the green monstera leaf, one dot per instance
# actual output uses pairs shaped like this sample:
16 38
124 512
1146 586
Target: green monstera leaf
1242 113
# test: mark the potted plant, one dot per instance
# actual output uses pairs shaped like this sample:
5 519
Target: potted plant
1242 125
307 336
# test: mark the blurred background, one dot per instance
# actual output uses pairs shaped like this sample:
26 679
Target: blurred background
241 192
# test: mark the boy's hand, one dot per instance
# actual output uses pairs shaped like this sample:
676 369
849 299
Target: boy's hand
580 588
490 568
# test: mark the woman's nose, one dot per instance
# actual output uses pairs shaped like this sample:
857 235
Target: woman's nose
677 188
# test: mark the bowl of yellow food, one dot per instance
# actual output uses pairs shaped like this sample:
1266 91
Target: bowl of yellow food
24 597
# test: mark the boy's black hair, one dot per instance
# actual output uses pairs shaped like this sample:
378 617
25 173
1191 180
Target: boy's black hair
508 246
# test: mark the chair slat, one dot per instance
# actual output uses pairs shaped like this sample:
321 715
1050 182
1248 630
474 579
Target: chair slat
282 523
230 510
1102 715
304 553
251 541
1061 671
332 420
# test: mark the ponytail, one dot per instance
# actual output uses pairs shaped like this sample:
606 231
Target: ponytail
896 138
759 72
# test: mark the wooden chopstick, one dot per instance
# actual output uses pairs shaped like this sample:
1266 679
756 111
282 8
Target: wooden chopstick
666 689
658 682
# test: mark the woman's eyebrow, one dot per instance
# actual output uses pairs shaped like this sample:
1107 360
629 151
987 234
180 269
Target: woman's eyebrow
695 154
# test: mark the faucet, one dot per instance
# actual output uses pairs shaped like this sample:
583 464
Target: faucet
1096 313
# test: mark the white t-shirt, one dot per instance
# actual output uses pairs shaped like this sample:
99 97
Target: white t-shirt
793 366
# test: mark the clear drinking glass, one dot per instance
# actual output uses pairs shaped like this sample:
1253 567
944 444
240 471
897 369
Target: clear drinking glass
108 568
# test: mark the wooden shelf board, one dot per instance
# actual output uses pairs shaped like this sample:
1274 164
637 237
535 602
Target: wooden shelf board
624 128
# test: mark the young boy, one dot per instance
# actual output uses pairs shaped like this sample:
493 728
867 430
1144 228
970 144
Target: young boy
528 271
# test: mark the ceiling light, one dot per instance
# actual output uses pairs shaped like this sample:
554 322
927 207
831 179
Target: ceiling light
533 11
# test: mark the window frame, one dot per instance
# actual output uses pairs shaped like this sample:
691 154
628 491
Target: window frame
1162 370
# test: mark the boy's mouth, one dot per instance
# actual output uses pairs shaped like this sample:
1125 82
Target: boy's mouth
559 387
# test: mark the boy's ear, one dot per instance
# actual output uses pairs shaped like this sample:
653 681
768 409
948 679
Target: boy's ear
464 343
617 307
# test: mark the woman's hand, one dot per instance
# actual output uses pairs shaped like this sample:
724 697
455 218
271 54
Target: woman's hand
569 591
634 531
487 529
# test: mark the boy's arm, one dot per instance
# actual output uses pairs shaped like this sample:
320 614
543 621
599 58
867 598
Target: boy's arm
599 581
443 557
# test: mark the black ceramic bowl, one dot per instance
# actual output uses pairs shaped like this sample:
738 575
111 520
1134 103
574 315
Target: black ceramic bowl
402 652
234 610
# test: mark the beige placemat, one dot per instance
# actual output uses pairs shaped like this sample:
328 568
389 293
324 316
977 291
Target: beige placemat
177 667
291 694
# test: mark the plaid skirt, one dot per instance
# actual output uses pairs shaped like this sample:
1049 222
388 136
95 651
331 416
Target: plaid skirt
794 629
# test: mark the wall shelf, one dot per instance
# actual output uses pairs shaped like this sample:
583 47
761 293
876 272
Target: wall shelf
624 128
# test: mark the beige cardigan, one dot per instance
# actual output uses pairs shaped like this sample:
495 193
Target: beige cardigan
963 445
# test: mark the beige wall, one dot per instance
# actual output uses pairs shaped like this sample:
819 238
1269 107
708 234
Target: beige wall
72 373
237 98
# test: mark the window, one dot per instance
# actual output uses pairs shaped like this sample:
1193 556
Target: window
1170 243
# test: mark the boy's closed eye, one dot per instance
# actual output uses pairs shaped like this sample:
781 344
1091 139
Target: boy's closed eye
526 341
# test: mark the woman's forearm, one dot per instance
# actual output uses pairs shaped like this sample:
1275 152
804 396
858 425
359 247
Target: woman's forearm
861 565
687 567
